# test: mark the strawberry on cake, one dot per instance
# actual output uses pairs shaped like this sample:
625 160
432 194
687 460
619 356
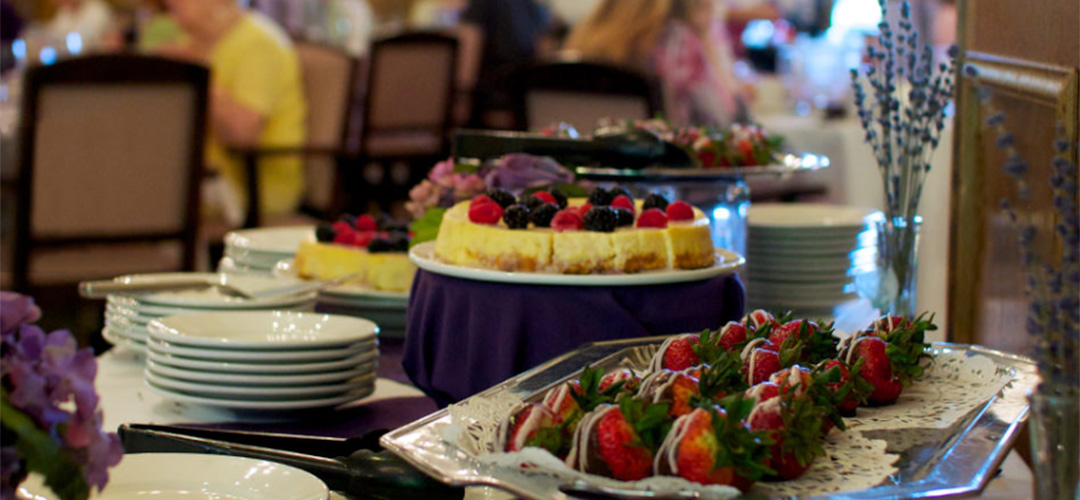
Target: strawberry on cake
545 232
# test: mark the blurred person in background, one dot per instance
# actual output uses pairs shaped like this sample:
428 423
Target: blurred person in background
256 99
92 20
694 61
510 34
621 32
156 28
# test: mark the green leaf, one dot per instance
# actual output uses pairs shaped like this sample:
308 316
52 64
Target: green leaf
570 190
426 228
466 168
42 454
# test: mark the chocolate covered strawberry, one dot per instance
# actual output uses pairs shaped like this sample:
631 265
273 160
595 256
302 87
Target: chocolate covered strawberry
676 353
722 378
759 361
732 336
876 368
795 427
714 446
795 380
678 390
815 343
532 424
762 392
851 390
627 377
907 349
758 318
618 441
560 400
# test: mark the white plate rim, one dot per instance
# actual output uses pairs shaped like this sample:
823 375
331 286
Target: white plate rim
299 380
268 392
779 215
237 367
423 255
176 330
120 341
184 301
257 356
213 475
240 404
255 239
139 307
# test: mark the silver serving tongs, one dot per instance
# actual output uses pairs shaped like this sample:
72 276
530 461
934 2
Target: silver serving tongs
357 466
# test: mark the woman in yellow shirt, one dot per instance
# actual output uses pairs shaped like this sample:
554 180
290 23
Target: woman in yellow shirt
256 98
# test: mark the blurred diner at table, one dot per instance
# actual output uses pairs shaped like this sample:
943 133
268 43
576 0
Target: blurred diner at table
256 99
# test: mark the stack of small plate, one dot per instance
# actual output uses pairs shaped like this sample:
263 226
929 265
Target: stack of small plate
802 257
127 316
256 251
262 360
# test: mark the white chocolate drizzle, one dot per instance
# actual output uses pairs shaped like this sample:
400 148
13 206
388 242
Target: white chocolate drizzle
579 448
669 448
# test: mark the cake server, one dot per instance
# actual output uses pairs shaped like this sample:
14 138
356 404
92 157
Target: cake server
234 285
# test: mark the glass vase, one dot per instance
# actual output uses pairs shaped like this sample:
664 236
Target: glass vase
892 285
1055 445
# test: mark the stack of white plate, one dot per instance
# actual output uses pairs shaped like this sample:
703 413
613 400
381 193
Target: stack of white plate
262 360
127 316
256 251
803 257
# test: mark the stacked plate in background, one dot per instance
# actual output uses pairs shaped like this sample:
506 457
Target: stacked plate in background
127 316
803 257
256 251
262 360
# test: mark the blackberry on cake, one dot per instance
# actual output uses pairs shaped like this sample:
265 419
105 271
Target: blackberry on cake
600 197
655 201
501 196
516 217
529 201
542 215
600 219
560 197
623 217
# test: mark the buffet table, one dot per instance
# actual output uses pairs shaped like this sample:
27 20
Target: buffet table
125 399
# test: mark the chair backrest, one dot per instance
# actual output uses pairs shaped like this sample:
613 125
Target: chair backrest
111 152
581 93
411 81
329 75
330 90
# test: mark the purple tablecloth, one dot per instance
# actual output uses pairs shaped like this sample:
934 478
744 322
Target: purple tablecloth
463 336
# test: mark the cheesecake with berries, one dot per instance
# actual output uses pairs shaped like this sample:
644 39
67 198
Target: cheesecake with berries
609 232
376 253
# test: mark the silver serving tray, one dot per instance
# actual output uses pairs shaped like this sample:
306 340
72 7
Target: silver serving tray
788 164
942 463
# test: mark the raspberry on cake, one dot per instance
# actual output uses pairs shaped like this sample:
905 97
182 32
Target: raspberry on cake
594 235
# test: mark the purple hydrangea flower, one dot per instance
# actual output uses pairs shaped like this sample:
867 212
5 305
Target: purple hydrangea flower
518 172
42 373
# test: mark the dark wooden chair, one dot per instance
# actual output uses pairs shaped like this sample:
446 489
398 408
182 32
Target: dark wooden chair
407 114
330 89
110 169
581 93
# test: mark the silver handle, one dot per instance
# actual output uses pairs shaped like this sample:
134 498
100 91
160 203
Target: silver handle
100 289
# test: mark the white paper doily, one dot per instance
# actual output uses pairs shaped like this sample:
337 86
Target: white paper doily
956 383
851 463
